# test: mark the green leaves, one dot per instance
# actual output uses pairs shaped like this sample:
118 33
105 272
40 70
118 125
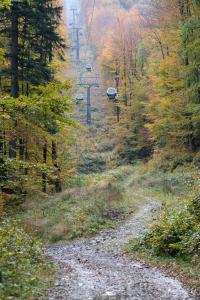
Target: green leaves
32 122
176 232
37 37
5 4
46 108
23 268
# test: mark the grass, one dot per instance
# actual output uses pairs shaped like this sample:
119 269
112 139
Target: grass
170 189
94 202
99 201
90 204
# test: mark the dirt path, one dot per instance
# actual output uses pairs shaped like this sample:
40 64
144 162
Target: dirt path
95 269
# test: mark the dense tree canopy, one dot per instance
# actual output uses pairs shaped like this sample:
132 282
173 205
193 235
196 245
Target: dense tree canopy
30 29
33 105
154 49
62 179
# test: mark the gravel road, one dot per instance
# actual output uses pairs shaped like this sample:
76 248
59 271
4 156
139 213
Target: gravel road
96 269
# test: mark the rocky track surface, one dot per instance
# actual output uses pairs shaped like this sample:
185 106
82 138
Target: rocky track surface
96 269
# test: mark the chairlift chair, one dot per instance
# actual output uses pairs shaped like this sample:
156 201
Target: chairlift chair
111 93
79 98
88 68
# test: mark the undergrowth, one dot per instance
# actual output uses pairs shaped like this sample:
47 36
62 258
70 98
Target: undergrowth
174 238
24 271
94 202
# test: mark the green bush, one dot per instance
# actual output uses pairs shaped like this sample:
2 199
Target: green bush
24 272
194 207
177 233
92 164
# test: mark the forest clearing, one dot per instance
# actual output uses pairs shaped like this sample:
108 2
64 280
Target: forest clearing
99 149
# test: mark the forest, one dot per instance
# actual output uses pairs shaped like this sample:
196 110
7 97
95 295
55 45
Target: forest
90 181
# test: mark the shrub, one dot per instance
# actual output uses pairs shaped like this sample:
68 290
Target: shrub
24 272
194 207
177 233
92 164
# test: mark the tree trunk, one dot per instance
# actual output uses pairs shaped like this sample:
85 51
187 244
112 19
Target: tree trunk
125 78
1 157
27 89
57 182
12 149
14 50
21 149
44 175
26 154
185 8
1 145
4 142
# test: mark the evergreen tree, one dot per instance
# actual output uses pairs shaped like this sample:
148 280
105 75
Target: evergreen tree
31 28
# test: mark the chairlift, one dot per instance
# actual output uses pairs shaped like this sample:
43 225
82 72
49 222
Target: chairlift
111 93
88 68
79 98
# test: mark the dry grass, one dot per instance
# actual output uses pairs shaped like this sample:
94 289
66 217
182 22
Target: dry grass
101 202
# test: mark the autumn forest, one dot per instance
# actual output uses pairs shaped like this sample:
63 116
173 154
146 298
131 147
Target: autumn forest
99 149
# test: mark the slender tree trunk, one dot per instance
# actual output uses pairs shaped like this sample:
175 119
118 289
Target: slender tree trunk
58 186
125 77
1 156
14 50
1 145
185 8
26 154
4 142
21 149
12 149
24 33
27 89
44 175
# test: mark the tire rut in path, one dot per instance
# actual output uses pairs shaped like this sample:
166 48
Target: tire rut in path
95 269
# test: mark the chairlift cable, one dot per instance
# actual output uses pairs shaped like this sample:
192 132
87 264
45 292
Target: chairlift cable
93 8
90 26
